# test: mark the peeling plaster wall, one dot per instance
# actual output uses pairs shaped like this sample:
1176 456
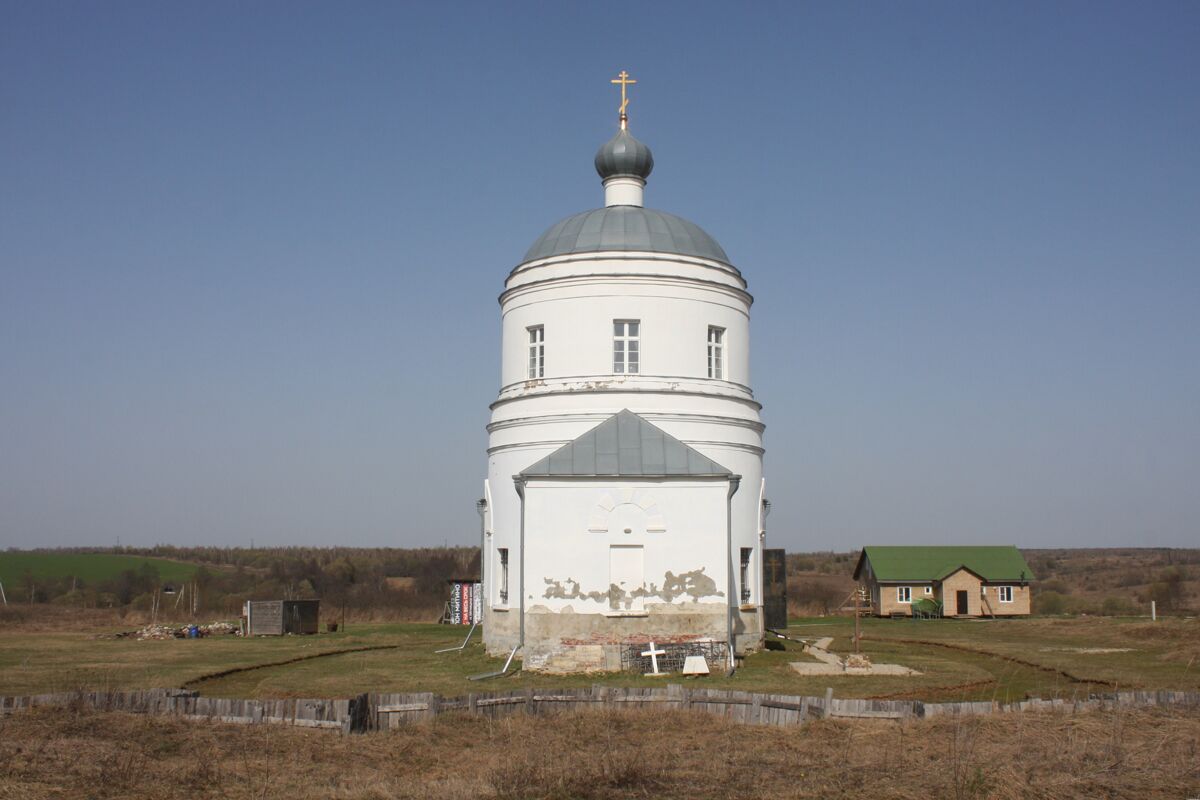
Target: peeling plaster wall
570 598
747 630
570 527
551 634
693 585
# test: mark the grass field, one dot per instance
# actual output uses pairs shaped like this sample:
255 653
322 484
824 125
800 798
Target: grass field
88 567
600 755
1001 659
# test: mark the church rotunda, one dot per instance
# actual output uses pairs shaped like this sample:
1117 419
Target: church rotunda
624 499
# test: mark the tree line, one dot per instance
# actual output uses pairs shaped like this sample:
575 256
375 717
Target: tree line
379 583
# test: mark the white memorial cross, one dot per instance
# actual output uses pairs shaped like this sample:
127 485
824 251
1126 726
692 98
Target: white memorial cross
654 654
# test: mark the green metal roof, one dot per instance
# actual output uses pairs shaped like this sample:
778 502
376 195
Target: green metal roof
918 563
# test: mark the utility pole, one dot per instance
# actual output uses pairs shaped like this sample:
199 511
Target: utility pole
857 603
3 596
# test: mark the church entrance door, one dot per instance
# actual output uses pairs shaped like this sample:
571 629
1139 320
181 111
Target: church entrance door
626 571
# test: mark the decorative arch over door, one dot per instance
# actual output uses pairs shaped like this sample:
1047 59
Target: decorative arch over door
627 511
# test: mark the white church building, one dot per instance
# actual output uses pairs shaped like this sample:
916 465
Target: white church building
624 501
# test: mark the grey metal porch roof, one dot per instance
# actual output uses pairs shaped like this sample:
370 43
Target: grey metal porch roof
625 445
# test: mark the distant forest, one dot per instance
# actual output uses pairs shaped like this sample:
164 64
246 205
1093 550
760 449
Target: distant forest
371 583
411 584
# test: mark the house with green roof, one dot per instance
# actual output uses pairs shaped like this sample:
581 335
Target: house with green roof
955 581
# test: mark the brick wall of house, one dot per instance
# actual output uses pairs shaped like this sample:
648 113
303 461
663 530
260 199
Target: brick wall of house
961 581
1020 604
889 605
884 600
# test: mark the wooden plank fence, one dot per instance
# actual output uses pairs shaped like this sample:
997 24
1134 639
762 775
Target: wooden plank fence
389 711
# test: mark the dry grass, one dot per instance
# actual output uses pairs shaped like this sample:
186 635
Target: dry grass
599 755
1003 660
44 618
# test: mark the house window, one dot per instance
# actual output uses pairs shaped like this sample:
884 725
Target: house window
928 590
1005 593
625 346
503 551
747 552
716 352
903 594
537 351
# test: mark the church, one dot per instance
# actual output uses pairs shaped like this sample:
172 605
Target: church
624 501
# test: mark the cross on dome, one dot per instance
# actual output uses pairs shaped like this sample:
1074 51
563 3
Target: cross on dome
623 79
623 162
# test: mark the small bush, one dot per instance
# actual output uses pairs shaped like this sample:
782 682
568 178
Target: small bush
1117 607
1131 577
1050 603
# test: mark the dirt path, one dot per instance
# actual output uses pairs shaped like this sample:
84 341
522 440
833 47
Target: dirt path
1000 656
212 676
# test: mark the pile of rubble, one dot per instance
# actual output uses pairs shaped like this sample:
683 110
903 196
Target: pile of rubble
220 629
154 632
856 661
828 663
151 632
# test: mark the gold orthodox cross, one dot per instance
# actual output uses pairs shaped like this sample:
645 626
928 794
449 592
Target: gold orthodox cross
623 79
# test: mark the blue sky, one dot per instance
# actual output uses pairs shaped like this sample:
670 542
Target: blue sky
250 253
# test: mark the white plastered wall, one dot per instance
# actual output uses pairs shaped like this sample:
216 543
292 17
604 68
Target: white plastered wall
570 527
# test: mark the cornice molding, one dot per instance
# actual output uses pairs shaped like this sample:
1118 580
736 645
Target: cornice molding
627 279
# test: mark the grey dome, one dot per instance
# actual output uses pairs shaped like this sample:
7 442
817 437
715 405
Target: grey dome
624 155
626 228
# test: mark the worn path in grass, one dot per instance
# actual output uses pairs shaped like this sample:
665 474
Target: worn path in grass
1004 660
1124 652
33 662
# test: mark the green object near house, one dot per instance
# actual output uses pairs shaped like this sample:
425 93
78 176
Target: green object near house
933 563
926 608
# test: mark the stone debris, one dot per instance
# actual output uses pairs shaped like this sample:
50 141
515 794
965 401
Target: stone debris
155 632
856 661
853 664
160 631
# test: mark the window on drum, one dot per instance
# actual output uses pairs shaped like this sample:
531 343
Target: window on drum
626 353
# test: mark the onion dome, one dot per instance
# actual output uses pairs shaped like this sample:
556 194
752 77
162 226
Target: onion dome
624 156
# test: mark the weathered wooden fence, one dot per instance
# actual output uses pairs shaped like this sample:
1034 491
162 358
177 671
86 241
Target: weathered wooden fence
387 711
188 704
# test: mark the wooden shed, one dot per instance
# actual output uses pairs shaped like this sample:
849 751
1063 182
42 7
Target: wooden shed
277 617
